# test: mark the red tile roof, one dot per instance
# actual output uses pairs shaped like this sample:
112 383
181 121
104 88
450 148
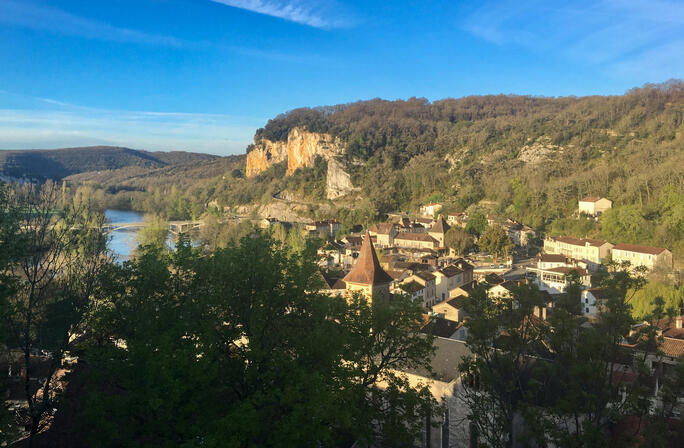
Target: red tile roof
639 249
383 228
451 271
591 199
367 270
672 347
440 226
551 258
416 237
411 287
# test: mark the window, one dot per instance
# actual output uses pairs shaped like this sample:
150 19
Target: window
586 310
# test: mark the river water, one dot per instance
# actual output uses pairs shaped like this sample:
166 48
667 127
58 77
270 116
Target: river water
123 242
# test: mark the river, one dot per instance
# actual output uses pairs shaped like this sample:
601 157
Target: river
123 242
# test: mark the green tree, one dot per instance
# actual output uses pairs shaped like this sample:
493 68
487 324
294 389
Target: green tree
458 240
477 223
155 233
624 224
496 241
504 342
533 382
237 348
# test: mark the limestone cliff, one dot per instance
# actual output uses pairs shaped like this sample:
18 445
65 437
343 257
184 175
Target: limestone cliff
300 150
338 181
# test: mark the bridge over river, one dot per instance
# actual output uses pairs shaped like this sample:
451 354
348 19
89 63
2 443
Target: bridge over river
176 227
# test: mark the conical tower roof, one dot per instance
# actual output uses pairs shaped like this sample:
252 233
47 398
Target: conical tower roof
440 226
367 270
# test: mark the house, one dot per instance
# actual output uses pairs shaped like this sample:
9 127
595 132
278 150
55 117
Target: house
402 222
592 251
367 276
594 205
451 277
447 329
451 309
438 230
519 234
591 301
331 254
428 281
457 219
502 290
323 229
450 428
385 233
554 280
416 240
646 256
549 261
425 223
414 290
430 209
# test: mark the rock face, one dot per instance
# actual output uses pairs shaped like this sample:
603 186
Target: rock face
338 182
300 150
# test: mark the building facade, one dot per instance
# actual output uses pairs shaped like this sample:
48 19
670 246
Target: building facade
646 256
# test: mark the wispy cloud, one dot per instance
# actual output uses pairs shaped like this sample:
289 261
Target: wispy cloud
635 38
42 18
60 124
315 14
29 15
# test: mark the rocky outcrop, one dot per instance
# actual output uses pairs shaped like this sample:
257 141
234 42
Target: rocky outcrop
265 154
540 151
338 181
300 150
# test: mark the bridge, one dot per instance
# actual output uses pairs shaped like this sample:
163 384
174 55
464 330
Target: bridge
175 227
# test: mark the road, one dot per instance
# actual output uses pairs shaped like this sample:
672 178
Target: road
518 269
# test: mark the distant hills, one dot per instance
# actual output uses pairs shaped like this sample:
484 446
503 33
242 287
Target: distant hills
57 164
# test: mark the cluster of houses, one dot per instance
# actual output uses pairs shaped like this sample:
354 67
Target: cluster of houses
443 287
414 262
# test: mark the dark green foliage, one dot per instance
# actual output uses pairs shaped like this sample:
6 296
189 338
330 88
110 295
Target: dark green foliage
459 240
495 240
235 348
477 223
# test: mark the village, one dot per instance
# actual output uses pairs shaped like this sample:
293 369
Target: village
408 255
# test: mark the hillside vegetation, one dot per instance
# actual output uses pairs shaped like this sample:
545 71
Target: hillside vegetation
531 158
60 163
527 158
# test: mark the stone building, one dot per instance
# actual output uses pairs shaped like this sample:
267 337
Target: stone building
367 276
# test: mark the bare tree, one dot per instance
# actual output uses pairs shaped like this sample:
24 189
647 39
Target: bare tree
62 252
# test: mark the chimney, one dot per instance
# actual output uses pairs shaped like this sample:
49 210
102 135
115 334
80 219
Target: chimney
678 321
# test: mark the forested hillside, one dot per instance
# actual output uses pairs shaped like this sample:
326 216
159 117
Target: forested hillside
531 157
60 163
527 158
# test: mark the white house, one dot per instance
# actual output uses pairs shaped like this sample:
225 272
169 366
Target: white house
591 301
555 280
592 251
594 205
647 256
430 209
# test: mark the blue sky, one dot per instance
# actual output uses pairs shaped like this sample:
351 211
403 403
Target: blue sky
202 75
